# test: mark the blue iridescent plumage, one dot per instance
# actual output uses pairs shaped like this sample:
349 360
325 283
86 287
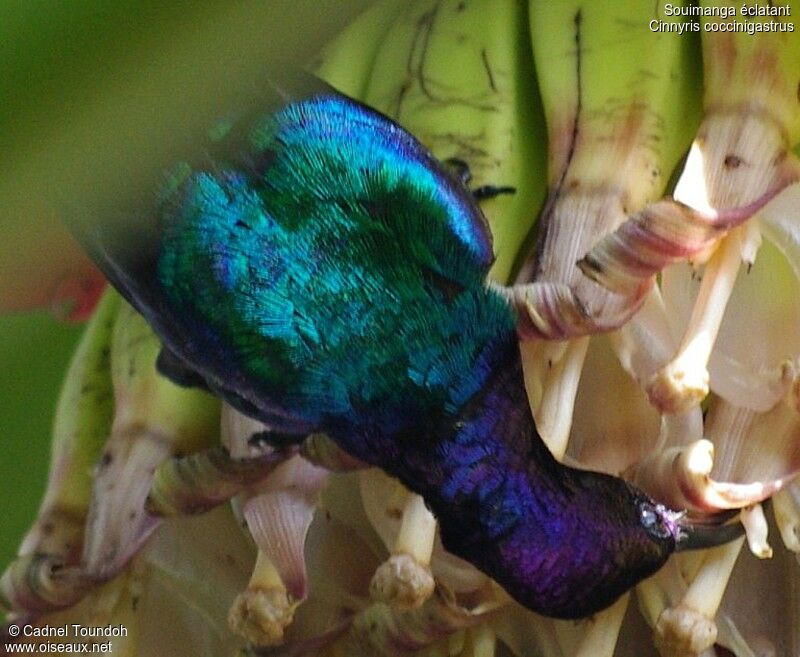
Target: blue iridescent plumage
318 269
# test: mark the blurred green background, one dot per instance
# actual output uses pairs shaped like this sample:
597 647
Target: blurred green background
90 93
34 351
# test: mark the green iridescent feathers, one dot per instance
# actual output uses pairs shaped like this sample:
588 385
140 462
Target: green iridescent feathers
334 262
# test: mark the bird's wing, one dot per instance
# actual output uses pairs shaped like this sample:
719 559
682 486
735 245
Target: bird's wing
305 259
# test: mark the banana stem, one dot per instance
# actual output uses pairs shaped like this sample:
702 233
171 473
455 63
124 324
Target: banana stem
683 382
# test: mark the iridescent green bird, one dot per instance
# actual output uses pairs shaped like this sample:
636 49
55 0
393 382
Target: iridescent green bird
317 268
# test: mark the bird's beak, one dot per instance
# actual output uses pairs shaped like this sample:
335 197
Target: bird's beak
698 536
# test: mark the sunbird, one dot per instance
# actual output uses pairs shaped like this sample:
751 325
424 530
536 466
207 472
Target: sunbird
317 268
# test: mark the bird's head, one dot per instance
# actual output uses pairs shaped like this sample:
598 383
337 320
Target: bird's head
609 536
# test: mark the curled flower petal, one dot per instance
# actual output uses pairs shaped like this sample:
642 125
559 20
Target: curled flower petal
37 583
555 311
755 447
662 234
279 516
680 477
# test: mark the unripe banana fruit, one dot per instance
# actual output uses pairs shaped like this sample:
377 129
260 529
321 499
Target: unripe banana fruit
154 420
39 579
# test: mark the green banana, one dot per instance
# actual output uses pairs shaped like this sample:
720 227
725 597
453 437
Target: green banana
154 420
346 61
39 579
752 113
613 142
463 86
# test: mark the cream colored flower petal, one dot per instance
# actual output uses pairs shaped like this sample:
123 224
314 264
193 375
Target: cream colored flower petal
204 561
747 457
646 342
552 371
755 447
626 430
